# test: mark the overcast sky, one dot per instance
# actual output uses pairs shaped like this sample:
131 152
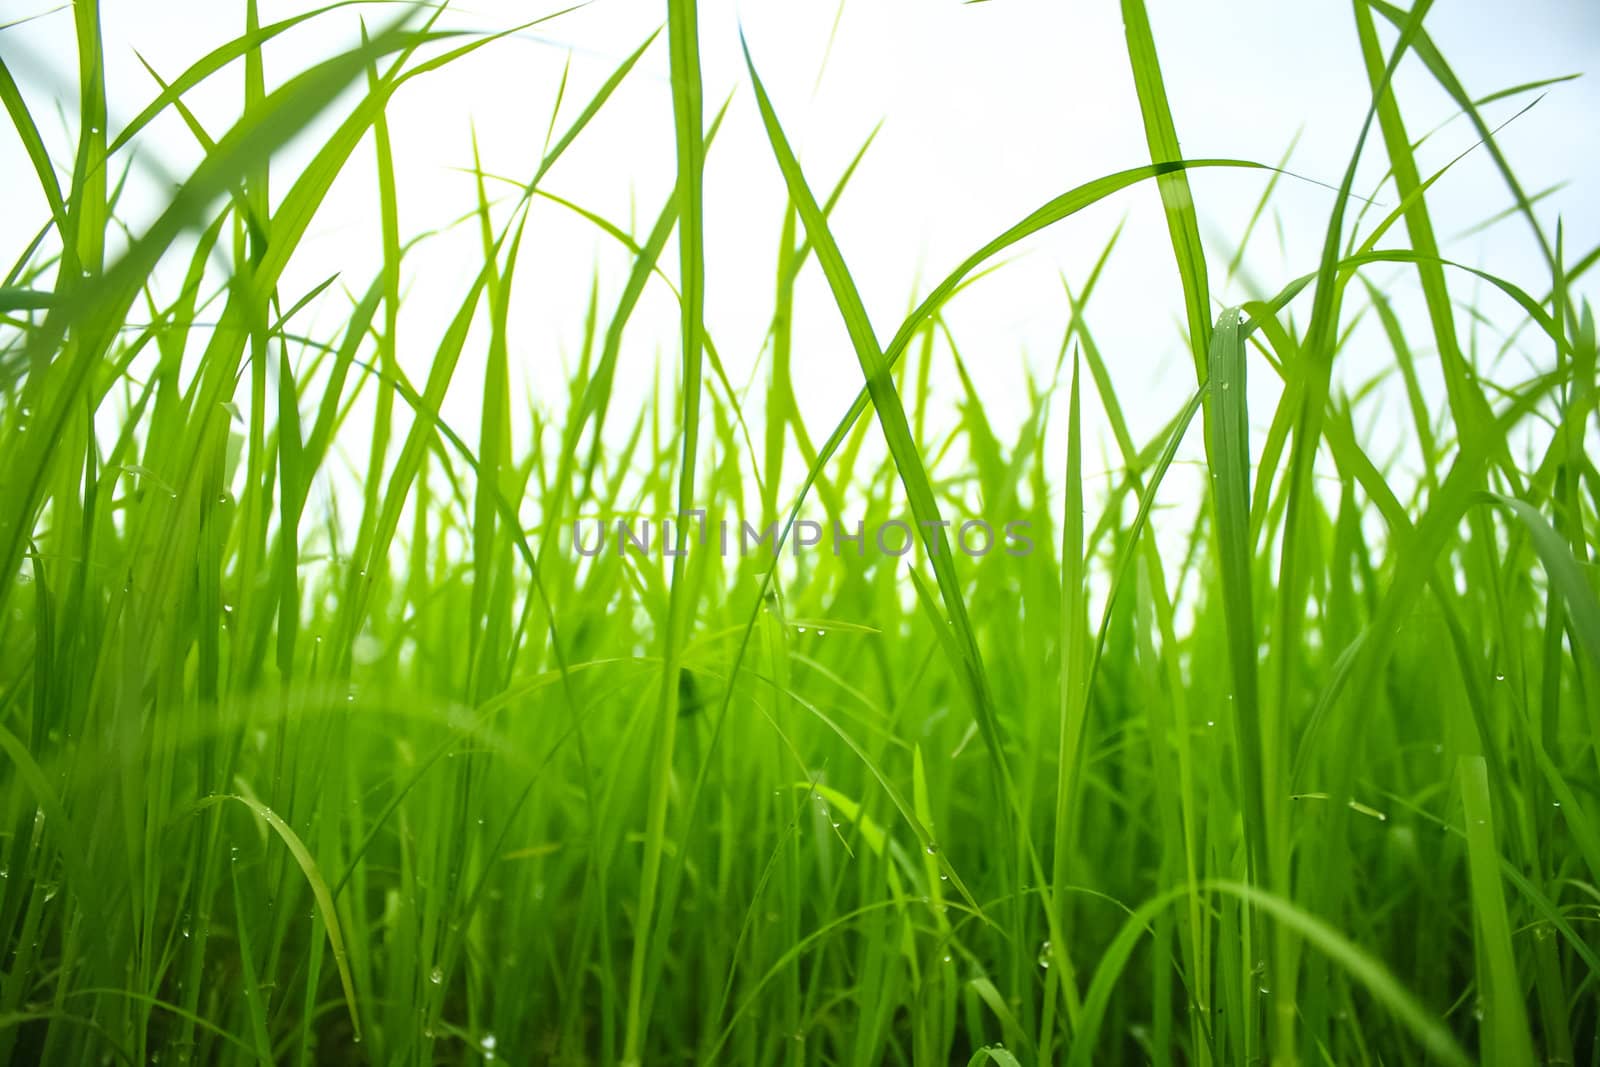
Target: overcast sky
988 110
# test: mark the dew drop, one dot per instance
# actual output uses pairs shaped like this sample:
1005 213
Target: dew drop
802 629
932 849
487 1043
1044 955
436 976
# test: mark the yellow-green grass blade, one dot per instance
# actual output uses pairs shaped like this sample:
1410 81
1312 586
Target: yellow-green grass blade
896 428
683 40
1176 196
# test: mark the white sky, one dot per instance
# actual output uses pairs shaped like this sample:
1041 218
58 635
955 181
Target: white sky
988 110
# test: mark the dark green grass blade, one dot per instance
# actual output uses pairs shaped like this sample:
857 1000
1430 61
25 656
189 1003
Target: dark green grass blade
1506 1035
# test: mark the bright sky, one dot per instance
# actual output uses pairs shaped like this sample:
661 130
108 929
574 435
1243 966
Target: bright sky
988 110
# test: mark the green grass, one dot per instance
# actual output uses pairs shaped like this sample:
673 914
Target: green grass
399 776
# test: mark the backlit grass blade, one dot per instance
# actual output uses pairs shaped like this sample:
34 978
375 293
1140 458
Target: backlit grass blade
1073 683
33 145
683 40
1162 136
897 431
1428 52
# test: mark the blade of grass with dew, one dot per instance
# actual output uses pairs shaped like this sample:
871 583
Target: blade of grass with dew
1507 1038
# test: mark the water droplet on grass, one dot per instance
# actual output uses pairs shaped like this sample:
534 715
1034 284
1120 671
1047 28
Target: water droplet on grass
1044 955
932 848
436 976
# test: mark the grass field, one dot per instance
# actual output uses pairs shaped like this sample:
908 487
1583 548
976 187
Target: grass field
397 774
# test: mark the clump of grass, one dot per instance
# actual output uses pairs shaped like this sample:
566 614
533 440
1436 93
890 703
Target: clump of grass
412 780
